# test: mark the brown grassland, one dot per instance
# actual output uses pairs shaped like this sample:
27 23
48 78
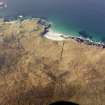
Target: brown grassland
38 71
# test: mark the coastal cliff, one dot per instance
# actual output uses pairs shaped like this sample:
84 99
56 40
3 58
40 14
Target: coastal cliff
37 71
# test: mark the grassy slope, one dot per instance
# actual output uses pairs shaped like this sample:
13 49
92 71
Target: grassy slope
37 71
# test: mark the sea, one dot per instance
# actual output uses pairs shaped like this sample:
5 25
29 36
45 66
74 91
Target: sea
71 17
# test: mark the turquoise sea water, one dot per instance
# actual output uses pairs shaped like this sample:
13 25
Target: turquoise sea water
68 16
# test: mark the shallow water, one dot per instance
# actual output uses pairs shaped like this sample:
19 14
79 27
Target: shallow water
68 16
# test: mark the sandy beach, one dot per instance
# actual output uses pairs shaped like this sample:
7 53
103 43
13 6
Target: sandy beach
54 36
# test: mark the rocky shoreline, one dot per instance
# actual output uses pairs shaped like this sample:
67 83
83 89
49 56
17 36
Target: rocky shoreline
78 39
47 27
86 41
